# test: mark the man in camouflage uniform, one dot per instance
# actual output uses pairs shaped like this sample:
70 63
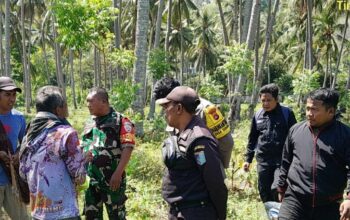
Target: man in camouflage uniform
110 138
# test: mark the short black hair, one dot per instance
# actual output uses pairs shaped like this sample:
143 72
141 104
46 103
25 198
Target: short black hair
191 108
100 93
49 98
164 86
329 97
270 88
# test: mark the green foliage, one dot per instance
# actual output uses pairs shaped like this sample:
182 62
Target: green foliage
276 68
306 82
211 89
123 58
285 83
81 22
158 64
144 190
122 95
155 128
238 60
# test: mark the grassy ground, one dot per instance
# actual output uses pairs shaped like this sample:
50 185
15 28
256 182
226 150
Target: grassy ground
145 173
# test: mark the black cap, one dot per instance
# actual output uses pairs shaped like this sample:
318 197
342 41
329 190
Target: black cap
182 94
7 84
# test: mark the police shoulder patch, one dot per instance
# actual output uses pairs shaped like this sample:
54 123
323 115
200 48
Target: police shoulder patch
199 154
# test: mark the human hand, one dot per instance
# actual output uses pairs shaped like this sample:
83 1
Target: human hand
15 159
115 181
344 210
246 166
88 156
80 180
4 157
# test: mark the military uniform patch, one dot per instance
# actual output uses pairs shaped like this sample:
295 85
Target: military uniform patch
127 126
200 155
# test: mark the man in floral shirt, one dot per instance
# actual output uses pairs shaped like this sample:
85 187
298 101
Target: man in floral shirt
51 160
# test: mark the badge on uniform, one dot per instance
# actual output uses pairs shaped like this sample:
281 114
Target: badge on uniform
199 155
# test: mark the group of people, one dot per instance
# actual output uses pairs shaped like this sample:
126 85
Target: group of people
304 165
53 161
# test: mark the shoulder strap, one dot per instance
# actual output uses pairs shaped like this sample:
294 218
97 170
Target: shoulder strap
199 132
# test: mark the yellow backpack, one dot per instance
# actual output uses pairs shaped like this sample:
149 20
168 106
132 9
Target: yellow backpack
216 121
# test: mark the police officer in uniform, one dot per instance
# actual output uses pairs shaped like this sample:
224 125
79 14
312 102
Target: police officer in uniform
209 113
193 182
110 138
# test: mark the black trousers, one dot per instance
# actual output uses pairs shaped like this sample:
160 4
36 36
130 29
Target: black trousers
294 208
267 182
194 213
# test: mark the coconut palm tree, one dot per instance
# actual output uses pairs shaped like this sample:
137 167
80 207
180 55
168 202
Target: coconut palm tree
141 60
203 53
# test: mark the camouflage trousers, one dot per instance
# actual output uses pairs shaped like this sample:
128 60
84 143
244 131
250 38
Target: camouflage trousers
114 202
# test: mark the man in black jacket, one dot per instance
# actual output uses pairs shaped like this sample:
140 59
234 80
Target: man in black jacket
268 132
315 163
193 182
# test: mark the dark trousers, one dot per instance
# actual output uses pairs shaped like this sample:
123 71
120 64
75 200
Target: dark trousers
194 213
294 208
267 182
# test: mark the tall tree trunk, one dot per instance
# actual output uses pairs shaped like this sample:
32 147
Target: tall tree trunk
348 81
236 102
256 66
309 34
139 71
29 81
7 39
81 72
45 57
2 58
156 46
168 26
158 24
58 58
240 22
340 52
246 19
223 23
105 70
236 20
259 79
24 61
72 81
327 70
117 33
181 46
97 73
